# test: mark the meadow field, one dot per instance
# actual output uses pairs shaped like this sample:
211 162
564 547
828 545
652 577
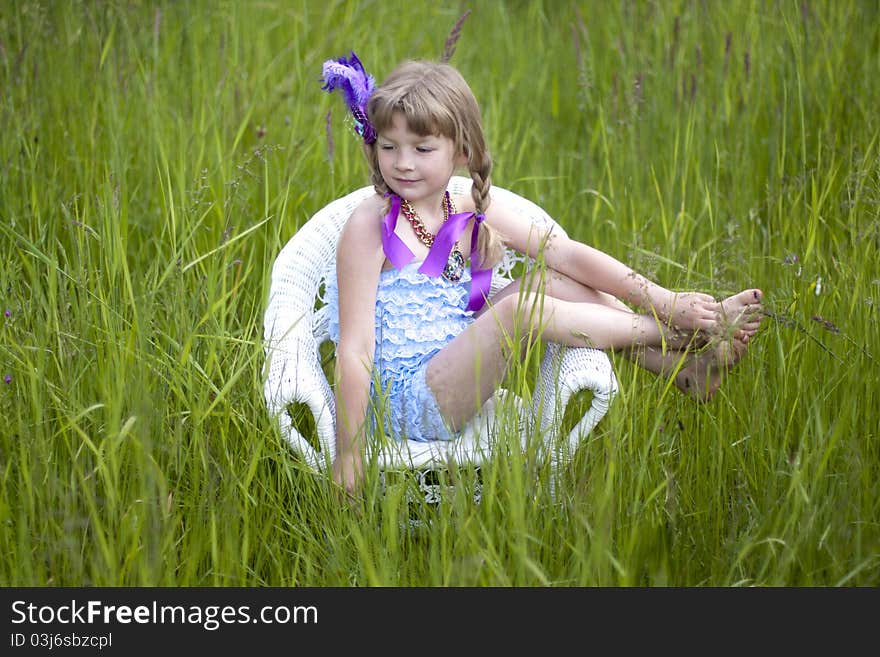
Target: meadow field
156 156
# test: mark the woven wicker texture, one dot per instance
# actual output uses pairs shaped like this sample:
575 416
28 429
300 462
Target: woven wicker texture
295 325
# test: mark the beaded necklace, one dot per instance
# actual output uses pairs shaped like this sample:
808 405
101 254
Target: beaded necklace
455 265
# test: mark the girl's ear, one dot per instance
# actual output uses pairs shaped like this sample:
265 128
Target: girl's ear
461 159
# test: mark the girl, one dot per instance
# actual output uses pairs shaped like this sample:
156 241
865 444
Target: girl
411 322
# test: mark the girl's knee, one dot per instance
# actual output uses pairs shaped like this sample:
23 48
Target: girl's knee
524 313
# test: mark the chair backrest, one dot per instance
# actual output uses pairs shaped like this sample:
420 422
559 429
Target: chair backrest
296 322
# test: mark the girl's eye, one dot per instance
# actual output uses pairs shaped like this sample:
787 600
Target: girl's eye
386 147
424 149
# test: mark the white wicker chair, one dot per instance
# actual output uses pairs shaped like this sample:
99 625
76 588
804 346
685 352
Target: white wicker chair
296 323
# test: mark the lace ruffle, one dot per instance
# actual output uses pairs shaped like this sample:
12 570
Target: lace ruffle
416 316
414 412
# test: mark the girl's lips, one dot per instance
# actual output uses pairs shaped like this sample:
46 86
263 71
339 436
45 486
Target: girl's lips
404 181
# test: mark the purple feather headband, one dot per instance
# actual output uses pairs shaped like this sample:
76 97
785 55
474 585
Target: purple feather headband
349 76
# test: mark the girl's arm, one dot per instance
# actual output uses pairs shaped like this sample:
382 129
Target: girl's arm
583 263
358 263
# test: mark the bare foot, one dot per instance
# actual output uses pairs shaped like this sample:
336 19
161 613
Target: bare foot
691 311
739 317
679 340
701 377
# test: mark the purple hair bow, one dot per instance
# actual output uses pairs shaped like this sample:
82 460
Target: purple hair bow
349 76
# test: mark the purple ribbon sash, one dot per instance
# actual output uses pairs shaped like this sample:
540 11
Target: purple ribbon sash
395 250
400 255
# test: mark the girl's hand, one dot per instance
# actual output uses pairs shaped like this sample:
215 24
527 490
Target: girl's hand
347 471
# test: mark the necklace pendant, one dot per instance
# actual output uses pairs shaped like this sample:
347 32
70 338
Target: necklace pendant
454 266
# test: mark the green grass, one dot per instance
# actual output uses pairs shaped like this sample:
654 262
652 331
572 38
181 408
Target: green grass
154 157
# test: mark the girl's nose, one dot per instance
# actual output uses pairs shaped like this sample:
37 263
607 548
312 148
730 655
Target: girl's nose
403 161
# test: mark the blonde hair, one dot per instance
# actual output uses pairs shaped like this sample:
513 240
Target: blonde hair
436 100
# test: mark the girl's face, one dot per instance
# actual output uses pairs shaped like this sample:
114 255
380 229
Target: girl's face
414 166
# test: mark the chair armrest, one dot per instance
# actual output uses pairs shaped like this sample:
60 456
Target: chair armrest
564 372
294 374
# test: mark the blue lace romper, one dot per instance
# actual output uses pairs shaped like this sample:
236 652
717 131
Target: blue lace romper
416 316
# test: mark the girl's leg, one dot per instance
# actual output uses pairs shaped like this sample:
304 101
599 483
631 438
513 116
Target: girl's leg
740 314
739 320
467 372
